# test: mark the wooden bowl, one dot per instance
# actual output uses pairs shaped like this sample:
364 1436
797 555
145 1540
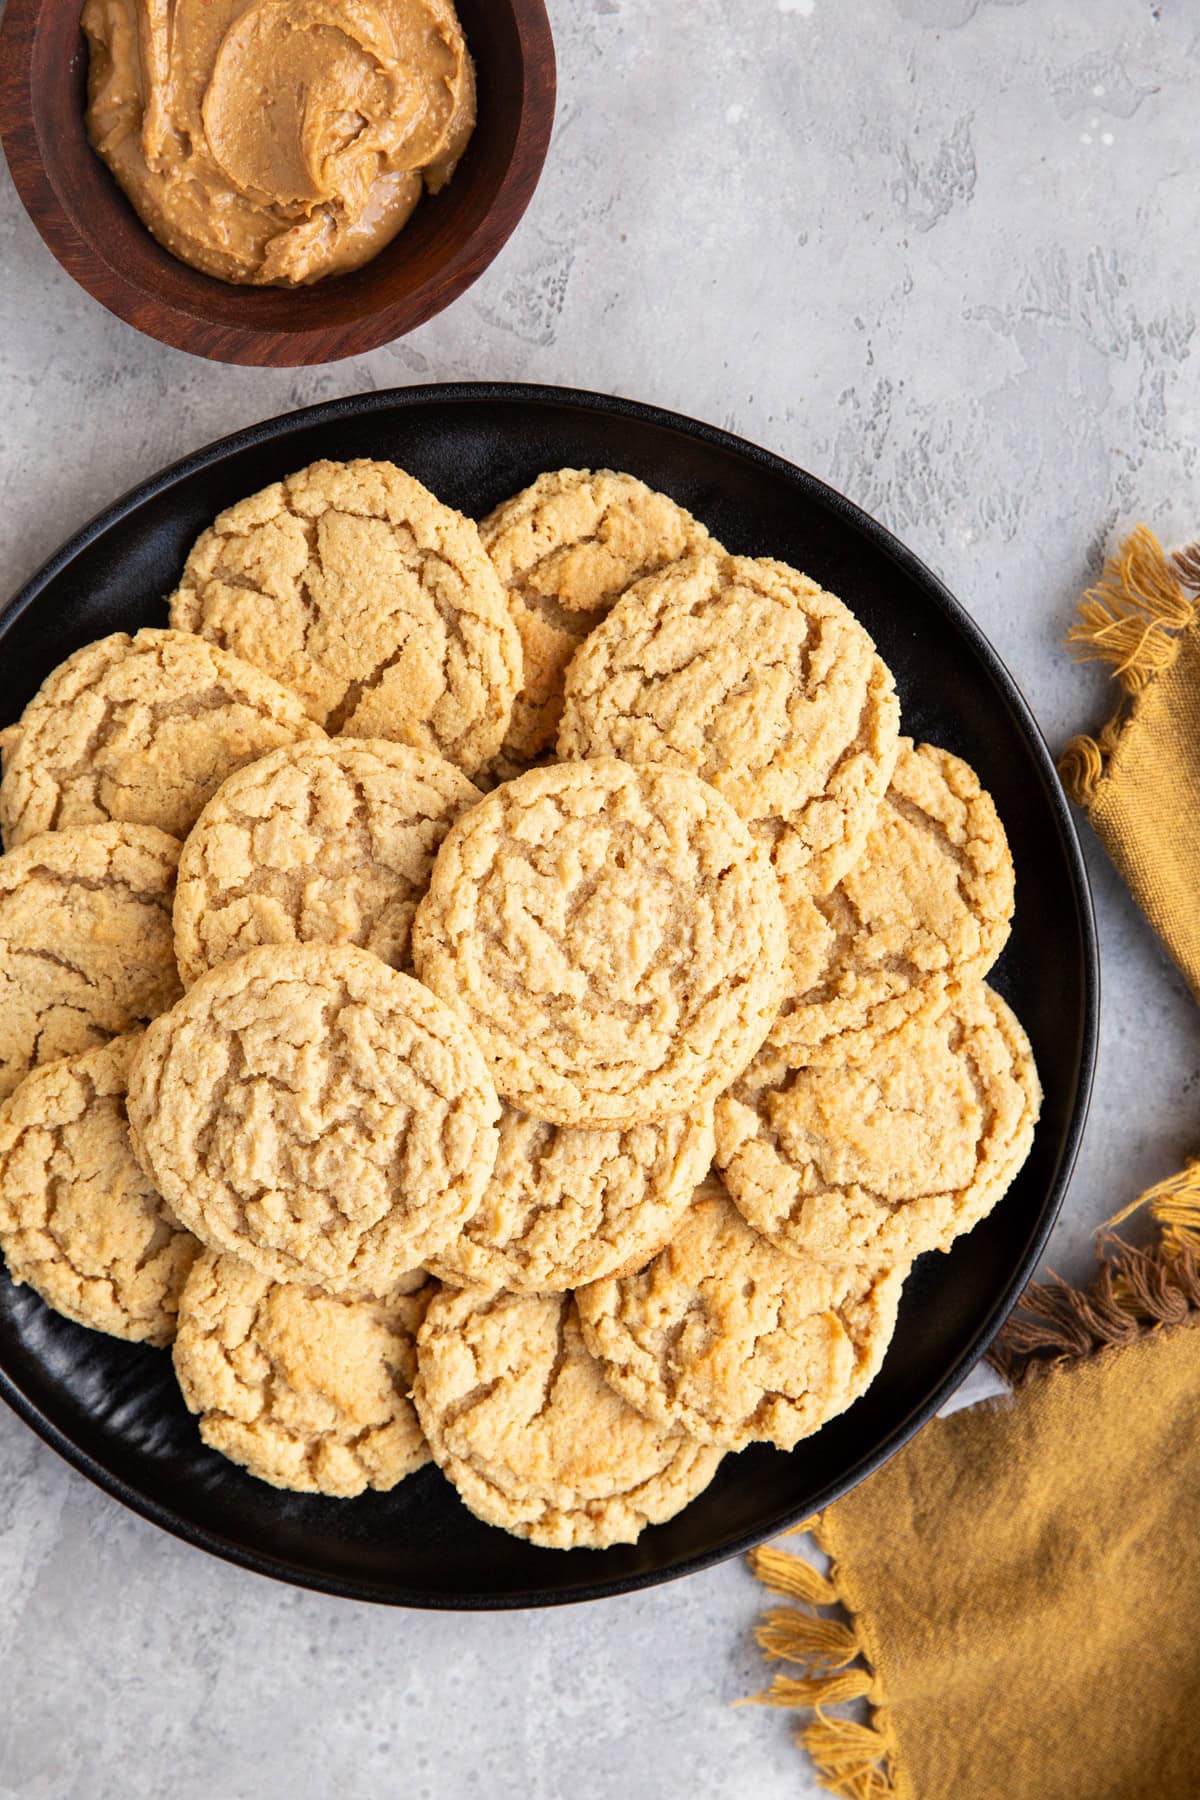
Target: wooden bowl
98 238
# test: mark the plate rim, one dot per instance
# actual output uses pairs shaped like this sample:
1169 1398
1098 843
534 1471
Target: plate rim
532 393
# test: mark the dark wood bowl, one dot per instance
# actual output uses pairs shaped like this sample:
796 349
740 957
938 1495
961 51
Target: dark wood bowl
98 238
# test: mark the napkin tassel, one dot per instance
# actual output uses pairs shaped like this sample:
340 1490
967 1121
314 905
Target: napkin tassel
1135 1291
1130 620
855 1761
1174 1205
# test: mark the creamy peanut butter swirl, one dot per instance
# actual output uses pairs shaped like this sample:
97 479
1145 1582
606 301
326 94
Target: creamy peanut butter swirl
278 141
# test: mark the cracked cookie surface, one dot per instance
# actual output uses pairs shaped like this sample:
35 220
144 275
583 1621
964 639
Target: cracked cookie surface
566 549
727 1337
929 903
85 941
314 1112
888 1158
745 673
521 1420
307 1390
330 842
564 1207
357 589
142 729
613 938
79 1221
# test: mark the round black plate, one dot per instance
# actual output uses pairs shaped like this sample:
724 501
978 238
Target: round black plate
113 1410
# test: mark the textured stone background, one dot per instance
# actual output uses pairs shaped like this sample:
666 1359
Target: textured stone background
941 252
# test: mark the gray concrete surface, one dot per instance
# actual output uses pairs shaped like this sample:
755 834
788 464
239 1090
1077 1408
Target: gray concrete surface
941 252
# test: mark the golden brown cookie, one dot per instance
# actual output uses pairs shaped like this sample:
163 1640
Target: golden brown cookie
323 843
566 549
307 1390
520 1419
749 675
143 729
928 904
356 588
884 1159
564 1207
613 938
79 1221
726 1337
314 1112
827 839
85 941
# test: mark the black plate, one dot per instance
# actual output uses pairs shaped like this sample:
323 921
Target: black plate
113 1410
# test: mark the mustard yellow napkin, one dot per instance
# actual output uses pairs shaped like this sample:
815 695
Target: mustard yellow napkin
1139 779
1017 1593
1014 1600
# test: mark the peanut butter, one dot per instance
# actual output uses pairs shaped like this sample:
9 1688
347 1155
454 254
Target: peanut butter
278 141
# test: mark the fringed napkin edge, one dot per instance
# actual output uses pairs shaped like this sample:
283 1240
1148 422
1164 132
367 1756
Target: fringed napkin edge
1132 620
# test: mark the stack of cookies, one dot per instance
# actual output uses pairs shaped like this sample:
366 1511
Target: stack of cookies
506 994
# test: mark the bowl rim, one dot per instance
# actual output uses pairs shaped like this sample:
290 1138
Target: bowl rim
184 328
505 393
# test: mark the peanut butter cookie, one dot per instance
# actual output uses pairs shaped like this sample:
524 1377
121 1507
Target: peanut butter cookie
323 843
143 729
749 675
307 1390
726 1337
887 1158
79 1221
564 1207
314 1112
928 904
566 549
520 1419
356 588
85 941
613 938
